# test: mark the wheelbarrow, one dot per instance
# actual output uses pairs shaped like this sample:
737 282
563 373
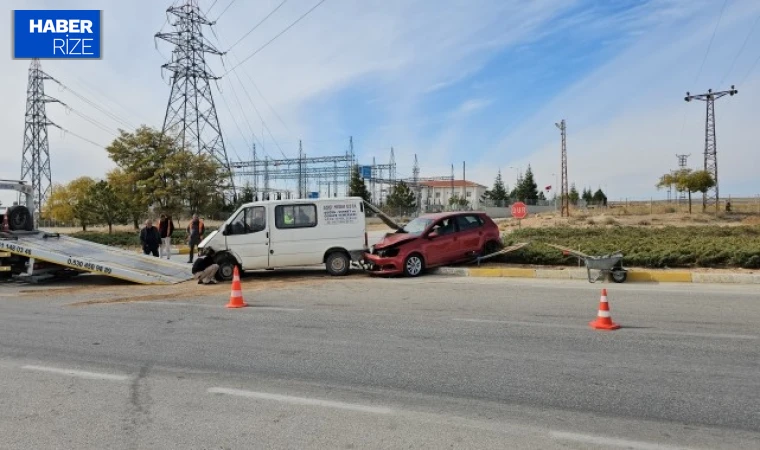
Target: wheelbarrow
605 265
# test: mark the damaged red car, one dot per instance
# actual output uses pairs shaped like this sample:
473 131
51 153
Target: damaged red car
433 240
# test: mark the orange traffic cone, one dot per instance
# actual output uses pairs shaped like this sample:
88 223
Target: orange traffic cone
236 296
603 318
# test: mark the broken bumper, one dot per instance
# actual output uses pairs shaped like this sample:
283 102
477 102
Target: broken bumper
379 265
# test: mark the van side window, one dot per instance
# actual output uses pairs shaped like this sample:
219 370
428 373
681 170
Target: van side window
295 216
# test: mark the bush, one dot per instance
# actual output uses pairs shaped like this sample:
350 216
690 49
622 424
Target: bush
128 238
693 246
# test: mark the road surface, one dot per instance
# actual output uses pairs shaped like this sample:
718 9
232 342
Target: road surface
354 363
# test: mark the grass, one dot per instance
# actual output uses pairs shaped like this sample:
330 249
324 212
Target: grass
691 246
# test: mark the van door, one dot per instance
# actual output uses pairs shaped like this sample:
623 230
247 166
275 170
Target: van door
248 237
296 238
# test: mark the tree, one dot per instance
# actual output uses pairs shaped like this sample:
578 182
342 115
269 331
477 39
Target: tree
105 205
587 196
686 180
457 201
125 187
573 196
499 193
69 202
599 197
356 187
528 187
200 178
541 196
401 197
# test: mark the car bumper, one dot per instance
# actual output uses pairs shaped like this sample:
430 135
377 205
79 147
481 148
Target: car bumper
379 265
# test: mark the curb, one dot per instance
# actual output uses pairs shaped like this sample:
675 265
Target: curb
634 275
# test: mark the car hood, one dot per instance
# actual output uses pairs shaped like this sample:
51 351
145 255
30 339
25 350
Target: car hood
391 239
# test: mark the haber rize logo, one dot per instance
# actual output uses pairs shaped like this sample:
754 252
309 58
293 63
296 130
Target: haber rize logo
57 34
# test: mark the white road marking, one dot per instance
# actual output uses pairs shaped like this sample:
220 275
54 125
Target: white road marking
623 329
300 400
79 373
609 442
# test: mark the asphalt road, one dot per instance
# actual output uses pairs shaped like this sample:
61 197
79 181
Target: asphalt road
353 363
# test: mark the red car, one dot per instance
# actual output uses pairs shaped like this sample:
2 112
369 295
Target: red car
433 240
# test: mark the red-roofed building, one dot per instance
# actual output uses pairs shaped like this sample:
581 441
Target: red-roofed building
436 194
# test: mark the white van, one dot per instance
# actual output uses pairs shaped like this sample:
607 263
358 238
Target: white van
298 232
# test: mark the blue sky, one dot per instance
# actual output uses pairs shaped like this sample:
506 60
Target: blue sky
476 81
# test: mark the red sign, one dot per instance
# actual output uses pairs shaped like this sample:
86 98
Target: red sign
519 210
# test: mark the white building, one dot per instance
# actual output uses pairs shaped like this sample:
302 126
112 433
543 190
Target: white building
435 195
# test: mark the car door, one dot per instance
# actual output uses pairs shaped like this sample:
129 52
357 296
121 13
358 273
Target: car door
470 235
247 235
442 242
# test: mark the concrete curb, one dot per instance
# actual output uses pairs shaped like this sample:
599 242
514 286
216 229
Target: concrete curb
634 275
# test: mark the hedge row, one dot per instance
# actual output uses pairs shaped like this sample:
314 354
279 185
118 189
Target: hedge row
127 238
697 246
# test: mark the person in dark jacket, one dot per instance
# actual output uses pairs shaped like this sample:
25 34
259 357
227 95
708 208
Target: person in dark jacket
150 239
166 228
194 234
204 269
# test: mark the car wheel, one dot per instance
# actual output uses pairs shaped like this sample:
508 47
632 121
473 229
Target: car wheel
337 264
413 265
619 276
226 268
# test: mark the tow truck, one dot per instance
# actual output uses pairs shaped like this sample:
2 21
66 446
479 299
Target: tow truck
30 254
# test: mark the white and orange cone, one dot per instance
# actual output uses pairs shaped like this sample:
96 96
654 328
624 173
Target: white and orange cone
236 296
603 317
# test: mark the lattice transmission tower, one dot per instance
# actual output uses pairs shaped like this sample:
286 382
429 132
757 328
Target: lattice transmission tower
35 159
564 191
711 141
682 164
191 111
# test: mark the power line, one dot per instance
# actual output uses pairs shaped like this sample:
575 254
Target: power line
741 49
751 69
210 7
67 131
94 105
275 37
709 45
92 121
257 25
223 11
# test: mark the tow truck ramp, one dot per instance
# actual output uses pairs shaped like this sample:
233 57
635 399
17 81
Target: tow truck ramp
86 256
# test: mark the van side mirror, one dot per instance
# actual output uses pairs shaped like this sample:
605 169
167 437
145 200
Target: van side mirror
227 230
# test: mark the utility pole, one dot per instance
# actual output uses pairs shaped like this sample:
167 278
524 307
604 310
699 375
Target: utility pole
564 193
35 157
682 163
190 111
416 180
711 142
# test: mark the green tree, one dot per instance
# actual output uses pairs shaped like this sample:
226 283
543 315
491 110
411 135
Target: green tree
499 193
686 180
105 205
401 197
200 179
573 195
69 202
125 187
541 195
528 187
357 187
599 197
587 196
246 195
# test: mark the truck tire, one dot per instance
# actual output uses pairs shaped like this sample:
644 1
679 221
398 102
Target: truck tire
19 218
338 264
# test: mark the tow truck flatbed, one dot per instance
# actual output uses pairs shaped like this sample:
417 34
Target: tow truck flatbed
86 256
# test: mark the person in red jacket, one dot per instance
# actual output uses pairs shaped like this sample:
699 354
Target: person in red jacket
166 228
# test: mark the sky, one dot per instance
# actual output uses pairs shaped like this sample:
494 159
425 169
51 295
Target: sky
480 82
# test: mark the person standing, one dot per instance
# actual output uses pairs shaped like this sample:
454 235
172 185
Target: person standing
195 231
166 228
150 239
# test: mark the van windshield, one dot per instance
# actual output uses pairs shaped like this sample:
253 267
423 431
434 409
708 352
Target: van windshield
416 226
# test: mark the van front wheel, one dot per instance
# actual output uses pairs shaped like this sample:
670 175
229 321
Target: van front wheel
337 264
226 268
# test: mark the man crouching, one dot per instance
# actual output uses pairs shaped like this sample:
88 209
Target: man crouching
204 269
